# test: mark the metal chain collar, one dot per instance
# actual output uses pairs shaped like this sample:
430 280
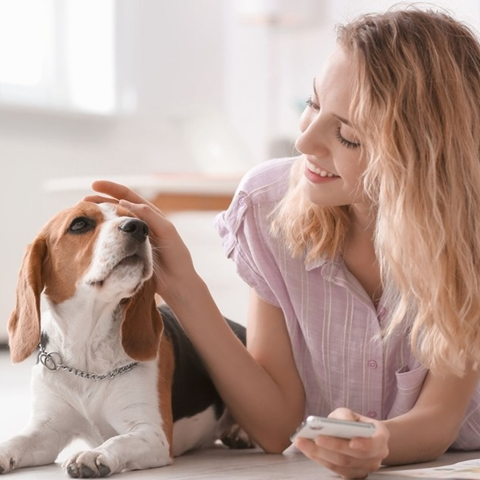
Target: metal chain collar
50 363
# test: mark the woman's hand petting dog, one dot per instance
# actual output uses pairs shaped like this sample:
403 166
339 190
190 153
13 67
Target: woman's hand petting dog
173 262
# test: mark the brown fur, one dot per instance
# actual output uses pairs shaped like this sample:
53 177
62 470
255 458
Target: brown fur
142 324
72 250
24 322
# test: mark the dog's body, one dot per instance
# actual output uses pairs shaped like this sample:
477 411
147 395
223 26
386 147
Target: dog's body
111 371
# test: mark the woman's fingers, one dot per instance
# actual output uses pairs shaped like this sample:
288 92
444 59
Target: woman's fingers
118 191
145 211
337 462
344 414
99 199
123 196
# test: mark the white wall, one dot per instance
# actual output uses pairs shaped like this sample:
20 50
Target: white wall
175 59
195 66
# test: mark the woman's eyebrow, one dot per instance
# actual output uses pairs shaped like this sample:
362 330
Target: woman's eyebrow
343 120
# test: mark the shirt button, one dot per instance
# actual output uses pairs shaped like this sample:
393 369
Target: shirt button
372 364
372 414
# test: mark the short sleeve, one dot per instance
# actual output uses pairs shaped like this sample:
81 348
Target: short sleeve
242 242
245 228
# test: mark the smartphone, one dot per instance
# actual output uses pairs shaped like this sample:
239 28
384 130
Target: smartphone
314 426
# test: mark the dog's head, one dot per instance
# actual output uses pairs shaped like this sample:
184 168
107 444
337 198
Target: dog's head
89 250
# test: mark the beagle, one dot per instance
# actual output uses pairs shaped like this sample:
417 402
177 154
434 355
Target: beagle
113 369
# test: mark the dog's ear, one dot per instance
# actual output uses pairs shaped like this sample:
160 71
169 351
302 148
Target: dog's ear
142 324
24 322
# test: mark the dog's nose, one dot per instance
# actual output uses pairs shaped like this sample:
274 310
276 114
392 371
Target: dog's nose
138 229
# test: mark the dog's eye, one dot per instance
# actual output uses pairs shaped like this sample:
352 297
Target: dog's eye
81 225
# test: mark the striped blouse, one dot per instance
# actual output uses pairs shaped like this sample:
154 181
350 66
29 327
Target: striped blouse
335 329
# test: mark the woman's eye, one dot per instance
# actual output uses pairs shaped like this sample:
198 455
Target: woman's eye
345 142
81 225
311 104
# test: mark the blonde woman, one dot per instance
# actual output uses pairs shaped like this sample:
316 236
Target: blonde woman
363 255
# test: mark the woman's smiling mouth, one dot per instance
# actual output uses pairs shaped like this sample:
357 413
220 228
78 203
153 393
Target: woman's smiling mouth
319 171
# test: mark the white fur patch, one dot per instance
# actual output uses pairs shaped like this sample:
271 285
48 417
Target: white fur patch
198 431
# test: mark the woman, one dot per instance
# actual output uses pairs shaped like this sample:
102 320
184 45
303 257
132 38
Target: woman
362 255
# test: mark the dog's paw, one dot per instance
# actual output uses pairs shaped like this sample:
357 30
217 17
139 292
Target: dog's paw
87 465
237 438
7 462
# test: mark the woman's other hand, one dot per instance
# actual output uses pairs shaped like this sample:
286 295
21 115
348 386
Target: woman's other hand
350 458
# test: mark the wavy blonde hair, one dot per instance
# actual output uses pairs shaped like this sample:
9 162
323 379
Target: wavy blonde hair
416 108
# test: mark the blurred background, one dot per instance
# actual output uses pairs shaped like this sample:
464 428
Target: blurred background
143 91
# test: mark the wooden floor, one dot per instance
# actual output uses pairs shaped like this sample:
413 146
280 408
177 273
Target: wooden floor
215 463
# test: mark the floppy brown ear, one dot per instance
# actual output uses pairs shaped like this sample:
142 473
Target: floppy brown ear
142 324
24 322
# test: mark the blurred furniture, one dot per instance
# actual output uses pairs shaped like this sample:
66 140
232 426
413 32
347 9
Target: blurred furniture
171 192
194 192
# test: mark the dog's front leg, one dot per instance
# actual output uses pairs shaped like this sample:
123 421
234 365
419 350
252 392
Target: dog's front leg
144 446
53 424
40 442
34 446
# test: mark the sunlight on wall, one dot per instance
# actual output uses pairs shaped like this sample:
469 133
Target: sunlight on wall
24 41
58 54
90 64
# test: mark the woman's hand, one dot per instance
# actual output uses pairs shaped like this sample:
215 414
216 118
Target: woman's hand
173 262
354 458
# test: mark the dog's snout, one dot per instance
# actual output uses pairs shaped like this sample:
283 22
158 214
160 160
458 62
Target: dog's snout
138 229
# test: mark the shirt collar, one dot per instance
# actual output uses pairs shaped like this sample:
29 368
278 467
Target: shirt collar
321 261
335 270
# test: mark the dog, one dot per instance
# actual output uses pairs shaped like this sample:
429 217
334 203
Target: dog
113 369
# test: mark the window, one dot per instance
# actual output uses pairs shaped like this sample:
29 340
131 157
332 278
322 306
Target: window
58 55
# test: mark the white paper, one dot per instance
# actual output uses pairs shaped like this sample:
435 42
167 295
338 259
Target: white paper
466 469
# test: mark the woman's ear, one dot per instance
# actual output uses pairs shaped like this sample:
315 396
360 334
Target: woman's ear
24 322
142 324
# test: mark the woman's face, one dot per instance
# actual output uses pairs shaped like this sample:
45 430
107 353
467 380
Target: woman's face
333 165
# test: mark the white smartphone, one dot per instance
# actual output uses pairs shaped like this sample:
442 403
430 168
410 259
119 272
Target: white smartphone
314 426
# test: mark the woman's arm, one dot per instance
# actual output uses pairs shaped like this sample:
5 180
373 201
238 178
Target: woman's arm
428 430
260 386
420 435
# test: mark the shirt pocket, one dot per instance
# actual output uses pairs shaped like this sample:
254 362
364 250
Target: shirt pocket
409 385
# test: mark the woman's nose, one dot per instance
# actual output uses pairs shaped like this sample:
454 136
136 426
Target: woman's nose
311 140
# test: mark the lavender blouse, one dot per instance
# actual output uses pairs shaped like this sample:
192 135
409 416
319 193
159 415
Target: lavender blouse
333 325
